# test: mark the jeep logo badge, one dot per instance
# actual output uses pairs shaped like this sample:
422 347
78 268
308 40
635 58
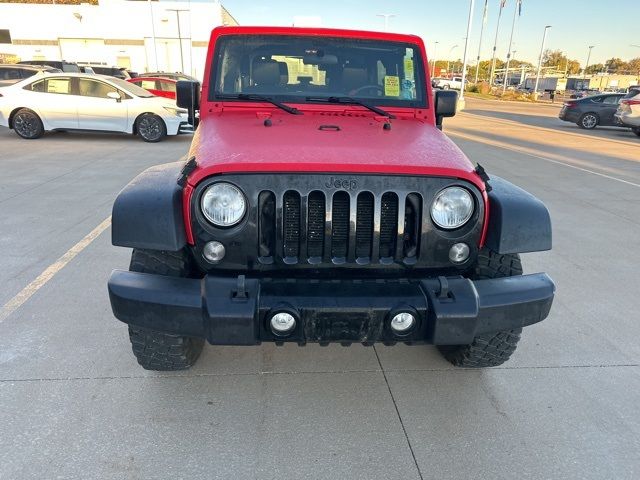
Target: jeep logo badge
345 183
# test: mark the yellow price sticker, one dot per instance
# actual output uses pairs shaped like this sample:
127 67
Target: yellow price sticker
391 86
408 67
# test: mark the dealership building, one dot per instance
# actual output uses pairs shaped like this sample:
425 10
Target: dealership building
139 35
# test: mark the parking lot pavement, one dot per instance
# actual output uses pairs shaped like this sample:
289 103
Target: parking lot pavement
76 405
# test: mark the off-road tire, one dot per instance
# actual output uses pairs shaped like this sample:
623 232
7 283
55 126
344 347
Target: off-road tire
636 130
588 121
489 349
27 124
157 350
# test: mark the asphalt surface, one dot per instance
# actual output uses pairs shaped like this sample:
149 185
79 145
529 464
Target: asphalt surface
74 403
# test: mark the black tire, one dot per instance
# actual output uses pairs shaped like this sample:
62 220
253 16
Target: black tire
27 124
490 349
157 350
151 127
588 121
636 130
445 87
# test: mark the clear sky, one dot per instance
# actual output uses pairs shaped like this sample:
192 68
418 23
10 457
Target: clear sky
576 24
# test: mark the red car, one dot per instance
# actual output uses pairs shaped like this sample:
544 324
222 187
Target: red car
321 202
159 86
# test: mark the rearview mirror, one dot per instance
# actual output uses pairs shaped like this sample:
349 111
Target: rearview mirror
114 95
188 96
445 102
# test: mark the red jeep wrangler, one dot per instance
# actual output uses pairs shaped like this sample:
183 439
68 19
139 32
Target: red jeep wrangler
320 202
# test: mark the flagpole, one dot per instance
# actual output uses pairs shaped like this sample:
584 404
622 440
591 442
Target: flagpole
513 26
484 20
495 43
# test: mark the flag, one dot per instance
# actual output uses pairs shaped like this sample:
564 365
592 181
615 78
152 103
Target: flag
503 3
519 7
484 15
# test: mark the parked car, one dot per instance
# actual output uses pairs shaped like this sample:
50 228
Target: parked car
13 72
62 65
118 72
590 112
87 69
161 87
172 75
300 218
79 101
628 113
454 83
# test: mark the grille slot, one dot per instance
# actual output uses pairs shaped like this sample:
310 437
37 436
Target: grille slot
364 225
412 217
291 224
388 224
340 231
315 225
267 226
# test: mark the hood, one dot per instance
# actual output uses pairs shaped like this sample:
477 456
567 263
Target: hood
350 141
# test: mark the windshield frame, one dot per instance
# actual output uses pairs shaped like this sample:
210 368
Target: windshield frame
421 76
128 87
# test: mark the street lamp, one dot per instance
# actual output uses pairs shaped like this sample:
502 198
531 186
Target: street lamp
386 17
178 10
544 38
449 56
466 47
584 72
433 67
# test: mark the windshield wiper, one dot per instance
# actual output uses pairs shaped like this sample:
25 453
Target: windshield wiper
350 101
259 98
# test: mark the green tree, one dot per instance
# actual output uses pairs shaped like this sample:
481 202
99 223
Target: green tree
595 68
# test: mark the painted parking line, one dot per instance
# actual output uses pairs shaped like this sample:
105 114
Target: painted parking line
27 292
529 152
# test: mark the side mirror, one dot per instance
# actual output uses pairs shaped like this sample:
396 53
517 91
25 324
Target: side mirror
188 96
445 102
115 96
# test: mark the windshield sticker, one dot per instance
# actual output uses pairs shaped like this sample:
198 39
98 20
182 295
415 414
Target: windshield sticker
391 86
408 67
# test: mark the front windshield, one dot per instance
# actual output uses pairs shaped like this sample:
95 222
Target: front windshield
130 87
292 68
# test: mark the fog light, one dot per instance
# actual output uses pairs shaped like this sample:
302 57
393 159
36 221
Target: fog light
402 323
459 252
283 323
213 251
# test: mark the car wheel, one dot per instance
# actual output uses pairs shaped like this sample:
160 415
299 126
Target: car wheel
488 349
151 127
27 124
153 349
636 130
588 121
445 87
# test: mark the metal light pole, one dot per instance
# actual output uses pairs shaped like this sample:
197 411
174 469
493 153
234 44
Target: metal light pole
178 10
584 72
433 68
506 72
484 21
449 56
544 38
386 17
466 47
495 43
153 34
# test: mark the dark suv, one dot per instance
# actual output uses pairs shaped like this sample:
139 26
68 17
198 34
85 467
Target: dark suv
61 65
12 73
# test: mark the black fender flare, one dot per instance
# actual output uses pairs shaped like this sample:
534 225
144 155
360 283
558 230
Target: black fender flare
518 221
147 213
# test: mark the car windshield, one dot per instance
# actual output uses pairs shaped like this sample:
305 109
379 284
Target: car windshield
296 68
130 87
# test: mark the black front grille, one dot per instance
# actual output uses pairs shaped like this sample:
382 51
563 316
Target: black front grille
310 224
306 233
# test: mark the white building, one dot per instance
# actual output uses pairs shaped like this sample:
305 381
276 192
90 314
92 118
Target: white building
115 32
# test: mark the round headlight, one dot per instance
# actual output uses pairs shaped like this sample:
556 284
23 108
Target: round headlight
223 204
452 208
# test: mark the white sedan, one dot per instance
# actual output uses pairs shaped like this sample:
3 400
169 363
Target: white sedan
68 101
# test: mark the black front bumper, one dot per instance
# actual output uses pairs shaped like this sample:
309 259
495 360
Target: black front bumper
236 311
